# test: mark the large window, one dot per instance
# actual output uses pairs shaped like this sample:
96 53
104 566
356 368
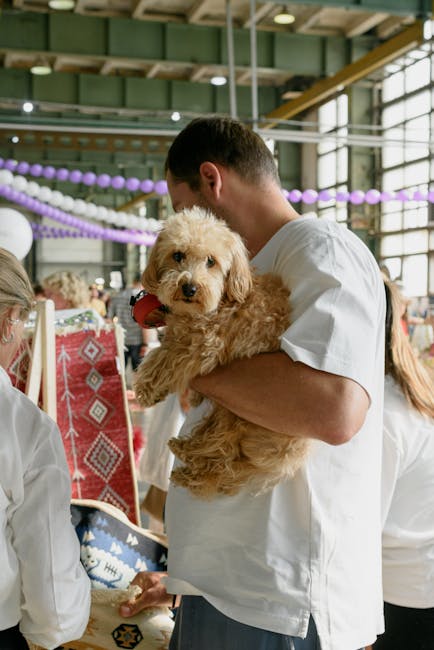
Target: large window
333 156
406 226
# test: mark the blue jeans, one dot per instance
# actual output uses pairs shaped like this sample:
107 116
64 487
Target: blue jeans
12 639
133 351
199 626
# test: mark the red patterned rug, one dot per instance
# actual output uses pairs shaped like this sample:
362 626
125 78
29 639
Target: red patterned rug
93 420
92 416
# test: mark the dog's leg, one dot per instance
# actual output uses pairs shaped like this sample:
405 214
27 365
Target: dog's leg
211 456
225 453
155 377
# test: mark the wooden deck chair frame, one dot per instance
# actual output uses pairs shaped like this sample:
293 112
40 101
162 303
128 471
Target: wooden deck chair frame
42 365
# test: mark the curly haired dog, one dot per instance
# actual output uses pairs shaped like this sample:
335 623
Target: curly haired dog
218 311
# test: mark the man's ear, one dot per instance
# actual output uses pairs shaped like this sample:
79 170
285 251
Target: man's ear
211 179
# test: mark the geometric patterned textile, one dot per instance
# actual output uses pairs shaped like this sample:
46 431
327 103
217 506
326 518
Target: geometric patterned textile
112 551
93 419
150 629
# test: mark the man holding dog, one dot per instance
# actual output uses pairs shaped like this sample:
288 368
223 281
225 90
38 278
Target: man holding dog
299 566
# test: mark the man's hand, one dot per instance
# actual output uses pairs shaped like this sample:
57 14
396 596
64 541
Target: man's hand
153 593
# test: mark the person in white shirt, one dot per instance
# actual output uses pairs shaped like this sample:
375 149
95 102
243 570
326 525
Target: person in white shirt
291 568
408 492
44 590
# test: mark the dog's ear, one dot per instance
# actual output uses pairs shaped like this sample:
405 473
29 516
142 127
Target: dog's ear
239 279
150 278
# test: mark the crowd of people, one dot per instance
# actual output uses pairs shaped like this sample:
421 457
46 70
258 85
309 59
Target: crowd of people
341 556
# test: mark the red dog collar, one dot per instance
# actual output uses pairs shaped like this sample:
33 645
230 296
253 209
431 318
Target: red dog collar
147 310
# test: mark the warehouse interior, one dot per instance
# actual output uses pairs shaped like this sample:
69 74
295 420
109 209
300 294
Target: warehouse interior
343 93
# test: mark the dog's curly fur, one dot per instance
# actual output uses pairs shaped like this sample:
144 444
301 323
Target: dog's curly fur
218 311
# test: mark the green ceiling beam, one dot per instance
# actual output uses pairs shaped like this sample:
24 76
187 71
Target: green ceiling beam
107 39
417 8
377 58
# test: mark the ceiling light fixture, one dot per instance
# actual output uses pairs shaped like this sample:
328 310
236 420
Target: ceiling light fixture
62 5
41 68
218 80
28 107
175 117
284 17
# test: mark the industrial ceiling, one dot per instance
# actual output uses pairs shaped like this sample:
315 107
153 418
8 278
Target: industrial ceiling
120 68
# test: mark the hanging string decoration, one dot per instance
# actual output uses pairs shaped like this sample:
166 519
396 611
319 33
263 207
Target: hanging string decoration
159 187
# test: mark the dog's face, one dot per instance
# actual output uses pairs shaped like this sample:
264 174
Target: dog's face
197 262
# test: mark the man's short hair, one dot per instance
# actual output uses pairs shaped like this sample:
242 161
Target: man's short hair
219 140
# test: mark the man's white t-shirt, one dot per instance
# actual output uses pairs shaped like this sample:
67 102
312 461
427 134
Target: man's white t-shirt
312 545
408 502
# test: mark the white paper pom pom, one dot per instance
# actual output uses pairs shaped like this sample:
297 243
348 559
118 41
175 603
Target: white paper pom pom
33 188
67 203
101 213
6 177
79 206
45 194
19 183
56 198
91 210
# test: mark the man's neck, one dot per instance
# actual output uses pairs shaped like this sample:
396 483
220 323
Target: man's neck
262 219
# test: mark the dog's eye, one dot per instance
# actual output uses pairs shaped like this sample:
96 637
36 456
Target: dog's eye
210 262
178 256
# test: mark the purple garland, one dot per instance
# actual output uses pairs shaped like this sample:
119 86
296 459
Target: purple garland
76 176
133 184
42 231
84 228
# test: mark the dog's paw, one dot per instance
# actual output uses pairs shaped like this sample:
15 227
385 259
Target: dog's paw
178 447
147 395
194 398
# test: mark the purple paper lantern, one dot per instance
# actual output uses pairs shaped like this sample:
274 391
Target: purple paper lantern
325 195
372 196
103 180
387 196
403 195
117 182
420 196
295 196
62 174
10 164
146 186
132 184
35 170
160 187
342 197
75 176
88 178
49 172
431 196
14 195
357 197
309 196
23 167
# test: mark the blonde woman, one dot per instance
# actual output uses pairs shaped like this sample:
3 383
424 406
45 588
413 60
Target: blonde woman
44 590
408 492
67 290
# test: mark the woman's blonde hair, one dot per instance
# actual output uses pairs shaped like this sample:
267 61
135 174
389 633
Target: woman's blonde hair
15 286
72 287
401 361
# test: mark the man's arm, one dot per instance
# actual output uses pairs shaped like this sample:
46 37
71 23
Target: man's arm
289 397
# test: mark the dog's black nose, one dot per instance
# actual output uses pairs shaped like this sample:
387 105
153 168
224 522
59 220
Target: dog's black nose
188 290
